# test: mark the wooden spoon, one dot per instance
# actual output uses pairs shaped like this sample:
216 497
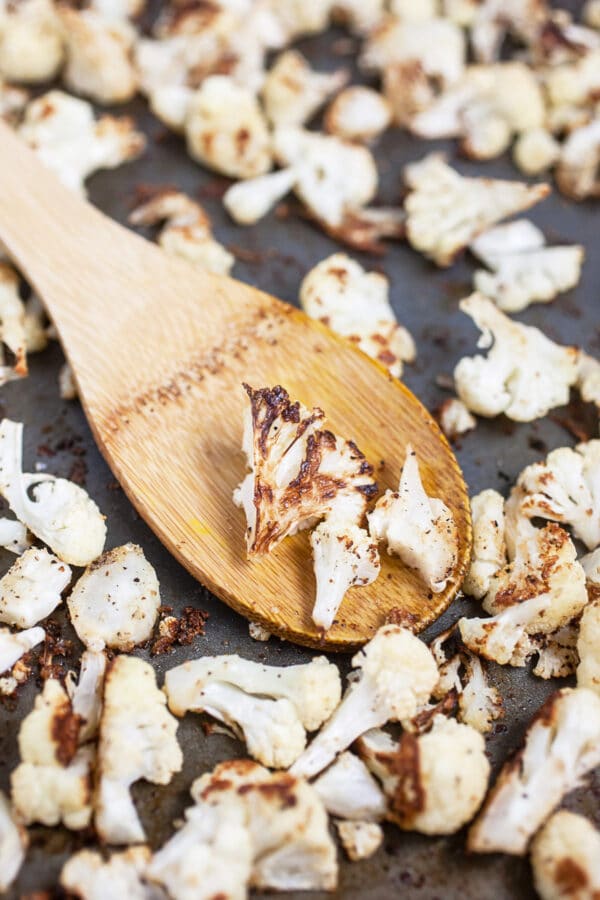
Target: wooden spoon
160 350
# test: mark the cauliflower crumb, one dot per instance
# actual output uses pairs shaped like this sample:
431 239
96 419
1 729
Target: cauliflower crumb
489 547
187 232
258 633
137 740
67 386
565 857
416 527
115 603
455 419
32 588
57 511
561 746
14 536
293 92
360 840
355 304
524 270
31 41
87 876
524 375
446 211
13 844
358 114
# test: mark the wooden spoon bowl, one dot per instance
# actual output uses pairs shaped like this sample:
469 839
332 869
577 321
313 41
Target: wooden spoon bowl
160 350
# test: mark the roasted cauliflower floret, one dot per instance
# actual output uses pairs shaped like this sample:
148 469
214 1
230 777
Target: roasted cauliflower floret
313 688
416 527
86 693
397 673
226 130
13 844
355 304
454 418
524 375
588 647
349 791
291 845
57 511
14 646
561 745
446 211
541 590
358 113
436 45
32 588
187 232
64 134
53 782
494 19
87 876
566 488
248 201
13 328
115 602
31 41
360 840
588 378
565 857
293 92
137 740
435 781
576 171
535 151
334 178
523 269
98 56
489 546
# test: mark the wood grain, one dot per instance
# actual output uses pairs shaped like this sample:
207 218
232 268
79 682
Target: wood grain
160 350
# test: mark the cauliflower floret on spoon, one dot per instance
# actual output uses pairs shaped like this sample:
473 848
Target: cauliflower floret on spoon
32 588
137 740
566 488
565 857
541 590
58 512
524 375
355 304
397 675
446 211
313 688
87 876
561 746
115 603
292 848
416 527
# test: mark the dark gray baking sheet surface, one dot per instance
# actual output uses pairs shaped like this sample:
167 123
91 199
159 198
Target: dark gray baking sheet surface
426 300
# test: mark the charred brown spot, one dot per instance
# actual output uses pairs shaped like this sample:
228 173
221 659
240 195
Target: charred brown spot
281 789
181 631
446 707
569 877
65 733
409 796
403 617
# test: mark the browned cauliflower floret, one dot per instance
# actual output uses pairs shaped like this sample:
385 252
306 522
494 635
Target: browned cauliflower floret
293 92
358 114
565 857
489 546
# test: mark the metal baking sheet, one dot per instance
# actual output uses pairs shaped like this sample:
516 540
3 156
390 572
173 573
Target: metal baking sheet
274 255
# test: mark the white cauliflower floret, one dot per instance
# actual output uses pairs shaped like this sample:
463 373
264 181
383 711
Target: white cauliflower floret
293 92
98 56
446 211
360 840
288 825
588 378
494 19
535 151
524 270
300 472
13 844
397 675
358 114
566 488
226 130
169 103
576 171
248 201
556 652
435 781
137 740
313 688
258 632
13 101
343 556
32 588
454 418
86 693
209 857
436 44
14 646
489 547
333 177
562 745
87 876
53 782
349 791
588 644
115 603
524 375
541 590
565 857
63 132
416 527
14 536
58 512
355 304
31 41
573 84
187 232
13 332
